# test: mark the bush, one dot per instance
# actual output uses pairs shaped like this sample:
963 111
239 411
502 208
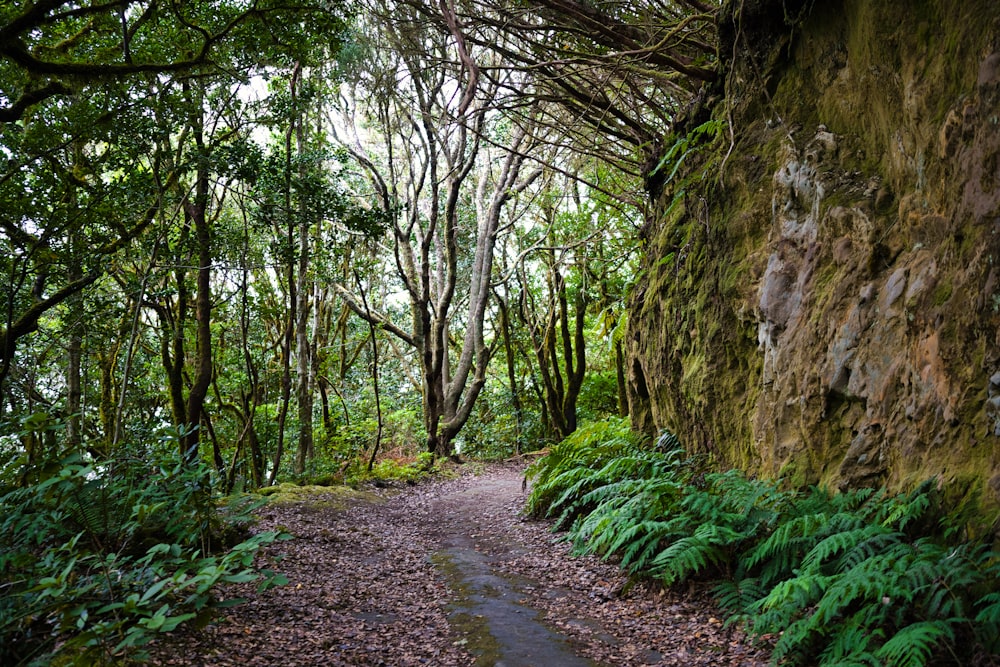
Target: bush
99 558
598 396
860 578
564 473
392 470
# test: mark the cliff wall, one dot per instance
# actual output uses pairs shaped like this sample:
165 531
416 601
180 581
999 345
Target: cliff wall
821 294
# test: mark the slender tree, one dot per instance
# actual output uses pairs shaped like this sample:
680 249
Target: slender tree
433 125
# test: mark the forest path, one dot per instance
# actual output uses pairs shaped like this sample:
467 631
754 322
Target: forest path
449 573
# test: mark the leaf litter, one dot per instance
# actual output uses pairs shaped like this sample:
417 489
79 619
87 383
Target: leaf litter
374 581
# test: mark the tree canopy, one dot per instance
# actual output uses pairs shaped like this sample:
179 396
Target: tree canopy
210 207
249 241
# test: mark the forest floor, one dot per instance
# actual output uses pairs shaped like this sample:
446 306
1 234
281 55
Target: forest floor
449 573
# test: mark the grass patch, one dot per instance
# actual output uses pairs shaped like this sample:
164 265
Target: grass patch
335 497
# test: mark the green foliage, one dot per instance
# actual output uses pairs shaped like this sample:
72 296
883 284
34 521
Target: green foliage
392 470
598 396
858 578
99 558
686 145
592 445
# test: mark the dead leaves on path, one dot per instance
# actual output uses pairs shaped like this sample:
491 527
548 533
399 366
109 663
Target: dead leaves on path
364 591
361 592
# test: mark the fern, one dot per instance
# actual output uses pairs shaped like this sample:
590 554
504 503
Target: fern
988 622
914 645
852 546
874 581
689 555
785 547
859 578
685 146
647 476
790 597
989 611
862 503
850 646
627 519
568 468
903 510
943 578
797 643
640 544
738 596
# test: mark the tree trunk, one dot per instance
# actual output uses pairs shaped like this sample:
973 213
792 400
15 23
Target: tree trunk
303 354
620 377
378 395
250 397
292 296
74 392
172 342
574 350
195 407
303 345
515 394
562 367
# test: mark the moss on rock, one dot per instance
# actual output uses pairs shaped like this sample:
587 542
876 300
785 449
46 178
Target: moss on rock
336 497
824 307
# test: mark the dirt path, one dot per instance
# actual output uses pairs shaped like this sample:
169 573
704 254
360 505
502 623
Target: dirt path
450 574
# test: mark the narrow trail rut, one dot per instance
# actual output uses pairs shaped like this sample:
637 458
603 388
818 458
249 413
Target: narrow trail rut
448 574
487 608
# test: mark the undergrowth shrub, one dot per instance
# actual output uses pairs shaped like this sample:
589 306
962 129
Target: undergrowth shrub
858 578
590 446
422 466
96 559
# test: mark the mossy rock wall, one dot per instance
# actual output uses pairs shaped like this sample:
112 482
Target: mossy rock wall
823 301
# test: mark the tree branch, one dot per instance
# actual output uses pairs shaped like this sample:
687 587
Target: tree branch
372 317
16 111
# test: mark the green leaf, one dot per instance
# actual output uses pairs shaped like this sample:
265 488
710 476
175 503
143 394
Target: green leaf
229 602
914 645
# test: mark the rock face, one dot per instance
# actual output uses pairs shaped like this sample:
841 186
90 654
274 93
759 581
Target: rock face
821 296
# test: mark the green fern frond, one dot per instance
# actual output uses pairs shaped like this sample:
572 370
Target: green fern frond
987 628
902 510
621 326
861 502
692 554
794 595
943 577
797 643
857 542
706 507
586 528
875 581
787 540
850 645
914 645
739 596
989 609
875 540
749 496
641 543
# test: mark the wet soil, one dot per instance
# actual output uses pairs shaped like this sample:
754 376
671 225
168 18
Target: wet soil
450 573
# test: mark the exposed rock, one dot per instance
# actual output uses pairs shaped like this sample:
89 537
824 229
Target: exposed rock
838 322
865 460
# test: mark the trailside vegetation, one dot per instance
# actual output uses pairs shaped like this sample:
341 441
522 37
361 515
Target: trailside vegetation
100 557
856 578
